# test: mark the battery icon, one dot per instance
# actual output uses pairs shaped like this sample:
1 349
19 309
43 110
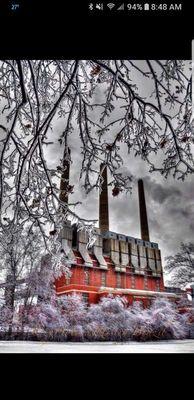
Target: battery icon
146 7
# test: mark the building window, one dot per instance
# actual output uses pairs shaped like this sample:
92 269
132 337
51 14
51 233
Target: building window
118 280
158 285
132 282
103 279
67 279
146 283
85 297
86 278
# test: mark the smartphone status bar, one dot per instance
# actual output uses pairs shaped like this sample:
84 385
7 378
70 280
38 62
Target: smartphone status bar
35 7
135 8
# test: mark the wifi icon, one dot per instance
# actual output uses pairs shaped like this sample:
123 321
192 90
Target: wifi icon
110 5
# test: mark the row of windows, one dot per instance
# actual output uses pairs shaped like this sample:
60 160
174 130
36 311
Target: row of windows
87 278
118 280
103 279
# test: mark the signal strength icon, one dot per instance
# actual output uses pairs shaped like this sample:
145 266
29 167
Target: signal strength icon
110 5
121 7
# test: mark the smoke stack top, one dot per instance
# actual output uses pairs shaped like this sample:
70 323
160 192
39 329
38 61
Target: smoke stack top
103 201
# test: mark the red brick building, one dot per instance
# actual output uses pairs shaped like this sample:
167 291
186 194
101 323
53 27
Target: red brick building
117 264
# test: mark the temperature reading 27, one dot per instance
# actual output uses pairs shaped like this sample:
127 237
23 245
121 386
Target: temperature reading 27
15 6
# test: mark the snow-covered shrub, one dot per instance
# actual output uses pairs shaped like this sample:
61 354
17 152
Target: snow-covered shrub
111 319
73 309
161 321
6 315
94 331
108 320
166 320
140 322
47 317
67 318
76 333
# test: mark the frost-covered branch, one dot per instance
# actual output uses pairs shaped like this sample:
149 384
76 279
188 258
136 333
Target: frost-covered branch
104 106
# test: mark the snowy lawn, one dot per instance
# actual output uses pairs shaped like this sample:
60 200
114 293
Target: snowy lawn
172 346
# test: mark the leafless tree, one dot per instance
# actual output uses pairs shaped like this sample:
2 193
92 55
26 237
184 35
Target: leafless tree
35 93
27 272
181 266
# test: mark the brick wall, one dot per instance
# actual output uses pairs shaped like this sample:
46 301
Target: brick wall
91 285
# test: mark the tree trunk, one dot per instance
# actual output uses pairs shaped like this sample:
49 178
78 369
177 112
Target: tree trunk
9 300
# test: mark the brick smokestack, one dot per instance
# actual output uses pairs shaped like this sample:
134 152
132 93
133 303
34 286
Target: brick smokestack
143 212
65 177
103 201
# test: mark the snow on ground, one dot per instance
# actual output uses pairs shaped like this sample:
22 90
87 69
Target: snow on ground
173 346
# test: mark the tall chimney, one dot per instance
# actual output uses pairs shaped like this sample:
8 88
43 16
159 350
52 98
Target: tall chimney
65 176
103 201
143 212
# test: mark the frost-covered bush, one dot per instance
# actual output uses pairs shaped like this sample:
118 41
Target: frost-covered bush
140 322
161 321
166 320
111 319
73 309
68 318
108 320
6 315
47 317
